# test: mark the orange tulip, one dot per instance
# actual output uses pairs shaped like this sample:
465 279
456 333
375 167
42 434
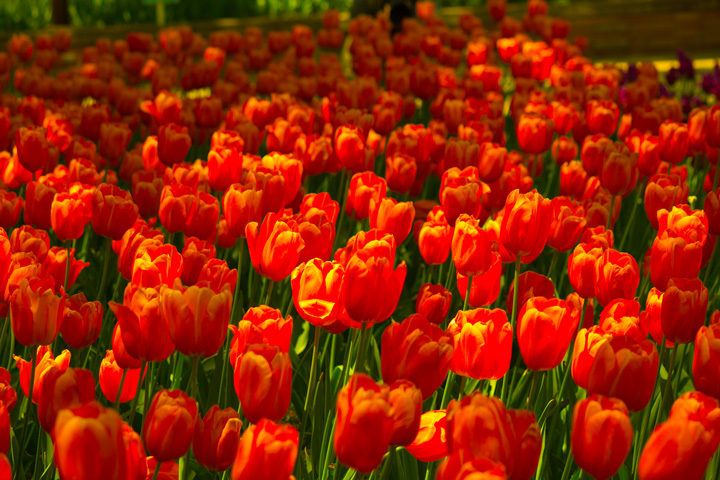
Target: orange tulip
433 302
363 423
626 369
70 212
471 247
684 308
316 291
45 361
418 351
363 190
622 317
216 438
263 382
169 425
274 246
706 361
69 388
143 329
483 343
36 313
544 331
82 321
197 318
267 451
601 422
110 376
371 269
479 426
155 265
435 237
529 443
430 443
405 410
89 443
113 211
685 443
260 325
617 275
526 224
242 204
393 217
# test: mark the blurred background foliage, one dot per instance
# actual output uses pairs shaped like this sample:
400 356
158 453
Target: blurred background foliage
36 14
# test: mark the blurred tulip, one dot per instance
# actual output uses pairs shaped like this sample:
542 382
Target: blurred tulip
405 409
89 443
479 426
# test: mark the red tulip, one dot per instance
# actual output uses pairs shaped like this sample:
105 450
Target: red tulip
483 343
169 425
418 351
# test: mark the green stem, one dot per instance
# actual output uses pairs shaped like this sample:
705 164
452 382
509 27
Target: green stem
28 407
157 470
716 180
192 383
461 393
225 360
711 263
362 346
150 381
610 213
513 315
134 404
534 385
119 394
311 384
270 286
552 264
568 463
385 475
446 391
106 265
67 264
237 298
631 223
467 293
344 185
668 383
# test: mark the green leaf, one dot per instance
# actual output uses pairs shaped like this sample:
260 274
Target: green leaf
302 340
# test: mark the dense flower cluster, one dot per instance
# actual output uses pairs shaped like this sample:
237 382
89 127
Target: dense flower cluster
448 276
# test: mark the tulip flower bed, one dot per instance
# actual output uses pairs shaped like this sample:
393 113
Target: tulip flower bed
448 253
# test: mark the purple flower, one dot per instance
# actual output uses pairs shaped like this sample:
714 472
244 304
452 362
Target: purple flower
672 75
664 92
